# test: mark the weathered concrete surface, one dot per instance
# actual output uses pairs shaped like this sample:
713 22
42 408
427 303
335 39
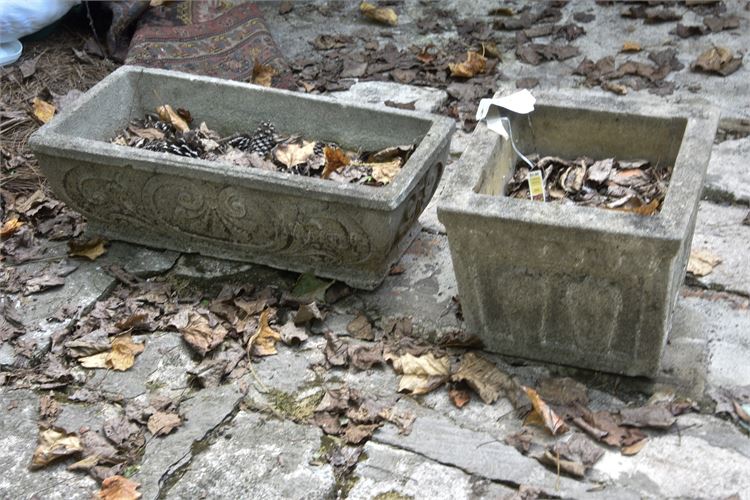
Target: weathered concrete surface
165 457
19 412
257 457
728 177
719 230
424 98
42 313
696 464
161 368
391 470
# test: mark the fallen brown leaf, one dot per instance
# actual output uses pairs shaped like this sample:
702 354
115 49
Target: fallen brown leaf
52 444
43 110
120 357
474 64
360 328
485 379
543 414
634 448
119 488
263 342
385 172
719 60
421 374
383 15
10 226
702 262
90 249
263 74
162 423
335 159
294 153
169 115
459 396
631 47
200 335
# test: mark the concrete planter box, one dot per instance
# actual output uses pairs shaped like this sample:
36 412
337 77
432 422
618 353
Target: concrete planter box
582 286
343 231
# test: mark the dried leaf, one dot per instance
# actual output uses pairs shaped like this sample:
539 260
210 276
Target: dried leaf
294 153
544 413
634 448
569 467
364 357
200 335
10 226
91 249
335 159
120 357
702 262
43 110
485 379
307 313
385 172
474 64
658 416
355 434
263 343
615 88
309 288
147 133
421 374
459 396
263 74
383 15
719 60
119 488
53 444
336 350
162 423
360 328
563 391
169 115
629 46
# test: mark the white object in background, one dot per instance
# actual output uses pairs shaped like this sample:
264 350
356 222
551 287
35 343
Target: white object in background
19 18
521 102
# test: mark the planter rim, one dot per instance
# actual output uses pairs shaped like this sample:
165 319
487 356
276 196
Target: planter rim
50 140
667 227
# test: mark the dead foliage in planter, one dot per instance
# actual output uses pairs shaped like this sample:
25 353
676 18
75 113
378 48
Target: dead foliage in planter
168 131
634 186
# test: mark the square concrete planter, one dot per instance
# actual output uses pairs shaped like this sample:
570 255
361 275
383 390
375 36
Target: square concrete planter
344 231
581 286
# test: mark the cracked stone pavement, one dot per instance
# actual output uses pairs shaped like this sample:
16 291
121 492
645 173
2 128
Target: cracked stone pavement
235 442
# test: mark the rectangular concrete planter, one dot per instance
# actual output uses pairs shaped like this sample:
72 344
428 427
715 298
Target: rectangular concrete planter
582 286
344 231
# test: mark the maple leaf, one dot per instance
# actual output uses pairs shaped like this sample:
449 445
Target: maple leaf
91 249
53 444
43 110
474 64
119 488
263 342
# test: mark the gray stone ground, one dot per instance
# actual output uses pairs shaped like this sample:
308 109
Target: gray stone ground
233 445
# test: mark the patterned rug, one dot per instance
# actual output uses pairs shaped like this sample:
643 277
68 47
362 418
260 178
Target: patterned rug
220 38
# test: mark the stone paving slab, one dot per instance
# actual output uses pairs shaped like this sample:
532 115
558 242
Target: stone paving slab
425 99
390 470
19 413
720 231
257 457
728 176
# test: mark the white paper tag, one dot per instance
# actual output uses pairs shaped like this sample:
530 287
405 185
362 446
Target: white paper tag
521 102
536 186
